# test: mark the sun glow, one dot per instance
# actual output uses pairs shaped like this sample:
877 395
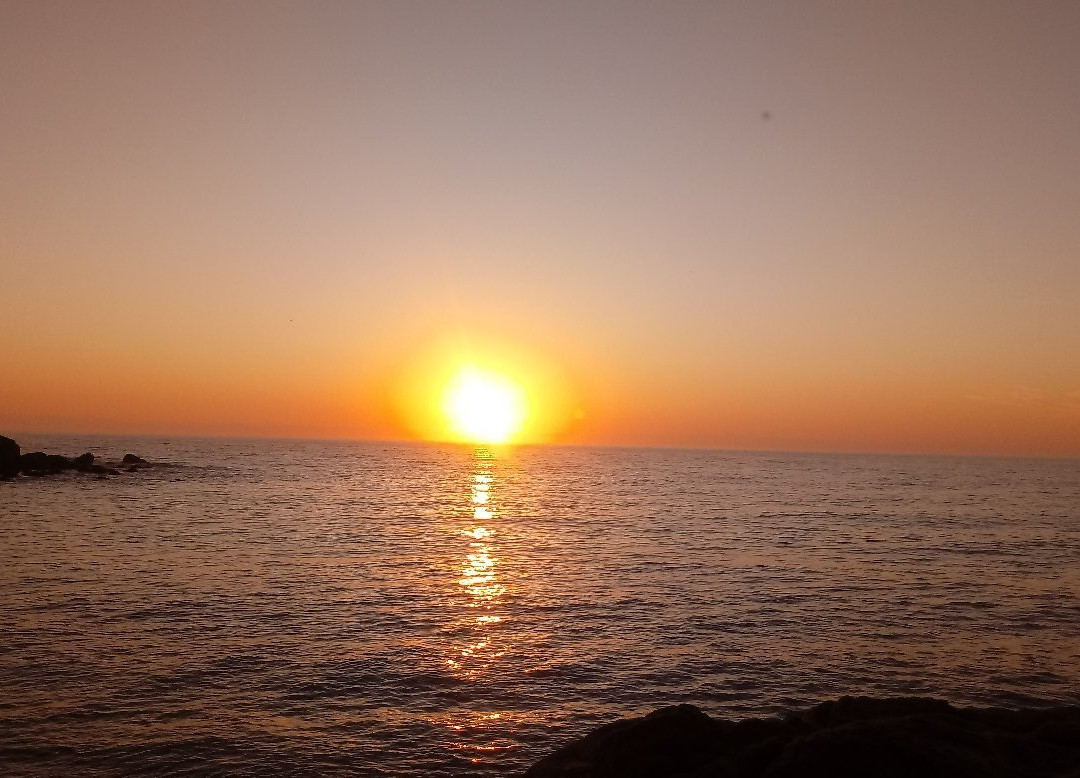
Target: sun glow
465 388
483 406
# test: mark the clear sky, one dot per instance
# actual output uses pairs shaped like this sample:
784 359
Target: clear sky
805 225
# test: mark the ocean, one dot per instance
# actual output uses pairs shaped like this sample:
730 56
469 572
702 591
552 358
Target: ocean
272 607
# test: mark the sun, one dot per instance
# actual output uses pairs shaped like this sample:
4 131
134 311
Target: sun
483 406
469 388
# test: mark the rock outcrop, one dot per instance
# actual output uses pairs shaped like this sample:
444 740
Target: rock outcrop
10 454
38 463
852 736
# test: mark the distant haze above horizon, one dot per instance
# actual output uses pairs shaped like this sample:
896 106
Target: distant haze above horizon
846 226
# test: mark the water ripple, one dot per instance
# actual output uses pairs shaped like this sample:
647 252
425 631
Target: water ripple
298 608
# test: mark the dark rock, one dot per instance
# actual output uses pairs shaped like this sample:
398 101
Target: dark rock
852 736
38 462
9 457
99 470
666 741
131 459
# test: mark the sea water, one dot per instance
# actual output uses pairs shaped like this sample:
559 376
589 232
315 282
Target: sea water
257 607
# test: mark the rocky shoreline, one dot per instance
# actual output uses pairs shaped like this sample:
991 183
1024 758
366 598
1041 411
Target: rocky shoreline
851 736
13 462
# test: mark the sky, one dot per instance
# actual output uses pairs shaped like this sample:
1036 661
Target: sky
841 226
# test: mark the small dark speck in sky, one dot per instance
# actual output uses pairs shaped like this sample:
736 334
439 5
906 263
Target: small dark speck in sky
766 116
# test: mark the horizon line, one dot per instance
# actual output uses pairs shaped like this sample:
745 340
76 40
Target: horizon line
618 446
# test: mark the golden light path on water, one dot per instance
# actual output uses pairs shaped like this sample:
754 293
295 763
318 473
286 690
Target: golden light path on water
480 646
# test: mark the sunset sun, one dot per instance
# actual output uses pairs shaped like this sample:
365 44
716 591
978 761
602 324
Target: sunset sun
483 406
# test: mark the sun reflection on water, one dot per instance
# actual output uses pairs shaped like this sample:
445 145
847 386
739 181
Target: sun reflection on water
479 580
479 635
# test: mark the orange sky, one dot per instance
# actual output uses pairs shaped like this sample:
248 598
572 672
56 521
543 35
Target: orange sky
823 226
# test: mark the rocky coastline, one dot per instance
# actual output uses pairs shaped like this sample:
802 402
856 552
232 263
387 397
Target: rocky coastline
851 736
37 464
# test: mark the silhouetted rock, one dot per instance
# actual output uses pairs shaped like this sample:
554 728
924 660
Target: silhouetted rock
852 736
37 463
664 742
9 457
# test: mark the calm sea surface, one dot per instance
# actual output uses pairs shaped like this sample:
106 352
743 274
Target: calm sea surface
282 607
